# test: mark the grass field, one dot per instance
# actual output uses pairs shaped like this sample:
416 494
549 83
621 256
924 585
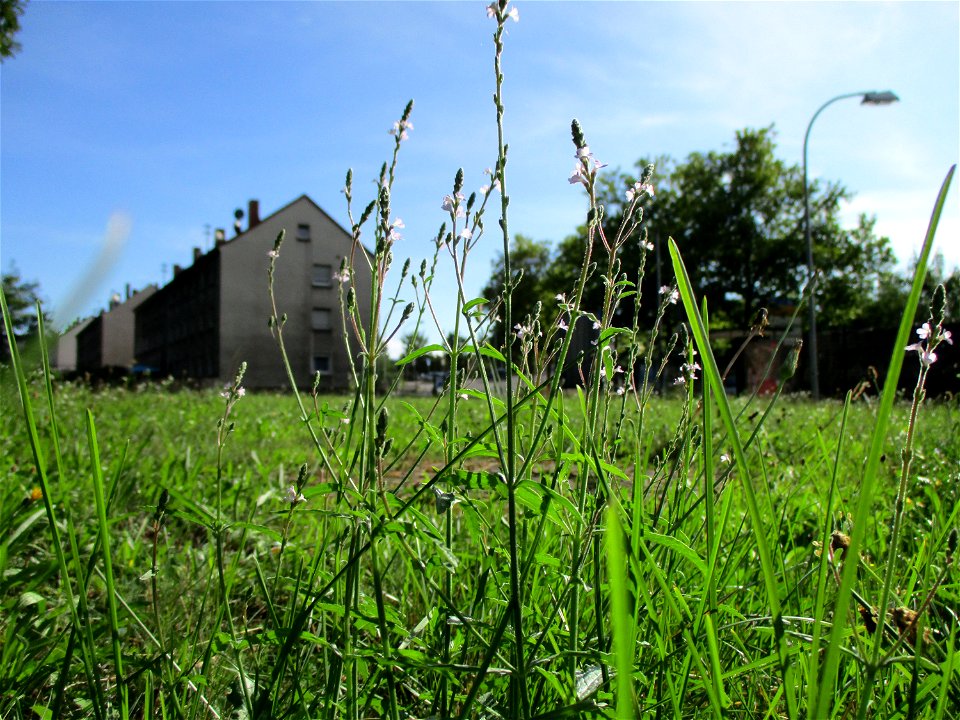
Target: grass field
520 551
432 585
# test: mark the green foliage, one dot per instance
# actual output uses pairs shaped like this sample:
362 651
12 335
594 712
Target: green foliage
22 298
737 216
10 12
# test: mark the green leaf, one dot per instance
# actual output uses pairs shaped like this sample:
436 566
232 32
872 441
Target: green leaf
422 351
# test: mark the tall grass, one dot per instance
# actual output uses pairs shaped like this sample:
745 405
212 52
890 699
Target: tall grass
509 549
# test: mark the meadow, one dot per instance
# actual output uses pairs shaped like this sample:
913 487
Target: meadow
509 549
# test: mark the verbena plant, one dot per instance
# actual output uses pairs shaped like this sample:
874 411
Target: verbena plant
511 549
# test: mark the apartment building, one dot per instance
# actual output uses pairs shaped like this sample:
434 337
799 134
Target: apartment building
213 315
106 341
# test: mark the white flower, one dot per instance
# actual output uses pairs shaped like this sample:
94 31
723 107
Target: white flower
241 391
492 9
520 330
648 246
400 129
466 233
514 15
639 188
577 175
948 336
596 324
273 254
924 331
724 458
562 325
672 294
621 390
560 297
451 203
343 276
293 497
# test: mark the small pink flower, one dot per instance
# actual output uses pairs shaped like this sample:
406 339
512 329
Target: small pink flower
948 336
273 254
514 15
241 391
577 175
924 331
293 497
562 325
466 233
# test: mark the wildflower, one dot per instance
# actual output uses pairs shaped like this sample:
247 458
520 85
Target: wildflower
492 9
620 390
562 325
400 129
724 458
948 336
343 276
596 324
451 203
577 175
520 330
560 297
514 15
927 356
617 370
924 331
35 494
273 254
672 294
647 246
466 233
639 188
241 391
293 496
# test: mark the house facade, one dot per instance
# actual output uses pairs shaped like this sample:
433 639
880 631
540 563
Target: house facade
213 315
106 341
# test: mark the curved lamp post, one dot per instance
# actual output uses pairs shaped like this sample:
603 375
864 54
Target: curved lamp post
867 98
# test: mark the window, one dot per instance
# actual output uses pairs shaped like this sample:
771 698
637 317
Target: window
303 232
321 319
322 364
322 275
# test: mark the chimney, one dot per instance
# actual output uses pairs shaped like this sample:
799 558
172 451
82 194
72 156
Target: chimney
253 214
219 236
197 252
128 291
176 270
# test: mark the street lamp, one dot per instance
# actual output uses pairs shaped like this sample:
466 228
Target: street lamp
868 98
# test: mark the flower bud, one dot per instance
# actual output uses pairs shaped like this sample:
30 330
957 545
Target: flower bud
577 132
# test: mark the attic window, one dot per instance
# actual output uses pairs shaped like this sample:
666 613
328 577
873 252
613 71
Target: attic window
303 232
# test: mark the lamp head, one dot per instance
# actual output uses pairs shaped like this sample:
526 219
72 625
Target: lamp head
879 98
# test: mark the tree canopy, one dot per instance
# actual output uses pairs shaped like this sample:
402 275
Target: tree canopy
737 216
22 297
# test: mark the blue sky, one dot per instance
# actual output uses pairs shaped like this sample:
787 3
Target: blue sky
129 128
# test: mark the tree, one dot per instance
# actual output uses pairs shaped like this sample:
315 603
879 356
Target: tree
737 218
10 12
21 297
531 263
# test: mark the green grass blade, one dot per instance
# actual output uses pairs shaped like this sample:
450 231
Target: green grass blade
621 619
100 499
714 381
869 482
